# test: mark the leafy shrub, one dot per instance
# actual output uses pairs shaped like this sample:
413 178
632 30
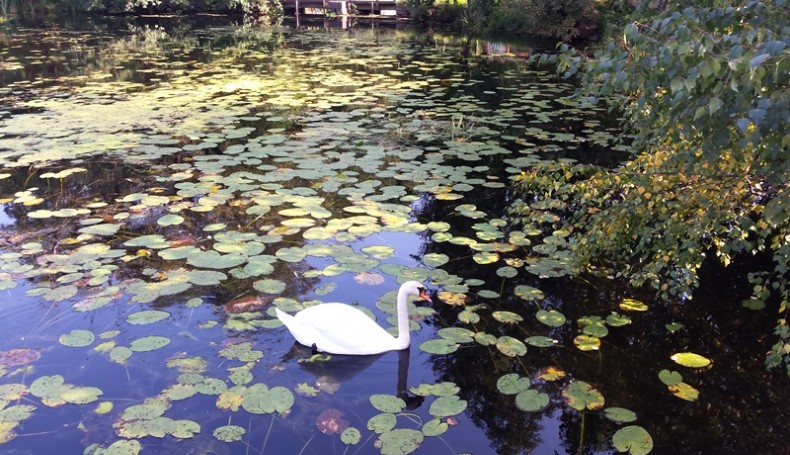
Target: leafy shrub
552 18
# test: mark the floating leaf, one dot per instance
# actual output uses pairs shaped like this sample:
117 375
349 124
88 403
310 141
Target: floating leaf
438 346
684 391
149 343
350 436
229 433
632 305
435 259
587 343
528 293
387 403
617 320
330 422
381 423
401 441
434 427
690 359
551 374
147 317
170 220
673 327
259 399
619 415
446 406
541 341
512 384
551 318
510 346
507 317
580 395
77 338
531 400
441 389
456 334
670 378
633 439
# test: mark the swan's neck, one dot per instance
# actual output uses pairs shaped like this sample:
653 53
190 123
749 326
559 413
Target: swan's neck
404 338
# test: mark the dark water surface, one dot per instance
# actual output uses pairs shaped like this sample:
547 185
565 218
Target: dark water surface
166 184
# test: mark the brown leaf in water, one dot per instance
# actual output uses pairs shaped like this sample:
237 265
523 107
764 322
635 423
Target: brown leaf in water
245 304
329 422
16 357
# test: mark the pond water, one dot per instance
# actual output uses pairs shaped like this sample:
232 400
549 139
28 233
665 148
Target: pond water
166 184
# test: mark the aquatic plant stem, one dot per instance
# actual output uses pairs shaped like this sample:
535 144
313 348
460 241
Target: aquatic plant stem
581 434
266 439
307 444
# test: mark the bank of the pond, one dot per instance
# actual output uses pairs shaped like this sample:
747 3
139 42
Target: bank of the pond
166 184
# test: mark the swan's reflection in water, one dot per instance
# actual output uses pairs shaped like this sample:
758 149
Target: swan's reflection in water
344 369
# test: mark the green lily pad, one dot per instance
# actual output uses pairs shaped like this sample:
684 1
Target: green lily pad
77 338
387 403
507 317
551 318
446 406
619 415
541 341
438 346
229 433
510 346
580 395
456 334
670 378
259 399
434 427
441 389
587 343
400 441
633 439
512 384
684 391
617 320
690 359
673 327
381 423
350 436
269 286
633 305
170 220
149 343
528 293
147 317
435 259
531 400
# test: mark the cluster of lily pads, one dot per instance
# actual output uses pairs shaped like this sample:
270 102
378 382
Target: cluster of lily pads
268 184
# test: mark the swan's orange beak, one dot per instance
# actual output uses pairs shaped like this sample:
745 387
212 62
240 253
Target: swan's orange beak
424 295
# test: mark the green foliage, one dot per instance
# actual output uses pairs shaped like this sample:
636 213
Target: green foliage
704 94
556 19
271 9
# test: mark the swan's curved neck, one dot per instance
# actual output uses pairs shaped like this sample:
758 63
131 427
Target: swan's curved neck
404 338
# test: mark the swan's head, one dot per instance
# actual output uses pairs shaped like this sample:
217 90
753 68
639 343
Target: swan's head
416 288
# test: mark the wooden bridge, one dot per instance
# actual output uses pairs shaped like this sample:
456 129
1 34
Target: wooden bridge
345 7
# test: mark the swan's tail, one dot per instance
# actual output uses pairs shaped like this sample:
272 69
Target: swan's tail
284 317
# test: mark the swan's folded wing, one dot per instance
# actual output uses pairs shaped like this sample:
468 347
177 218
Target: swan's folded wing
342 329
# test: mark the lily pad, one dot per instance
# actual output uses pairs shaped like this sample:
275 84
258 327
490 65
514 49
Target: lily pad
77 338
551 318
438 346
400 441
510 346
387 403
446 406
633 305
434 427
619 415
580 396
512 384
670 378
147 317
149 343
350 436
684 391
531 400
690 359
229 433
633 439
507 317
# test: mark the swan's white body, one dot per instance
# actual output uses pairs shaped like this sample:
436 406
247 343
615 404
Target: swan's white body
337 328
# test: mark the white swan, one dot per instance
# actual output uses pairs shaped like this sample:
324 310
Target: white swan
337 328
